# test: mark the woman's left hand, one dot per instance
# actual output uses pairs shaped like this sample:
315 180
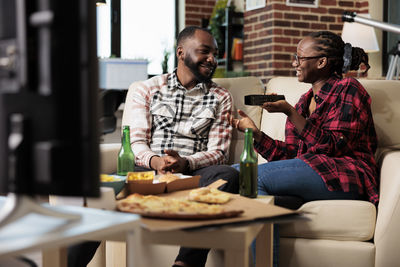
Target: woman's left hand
278 106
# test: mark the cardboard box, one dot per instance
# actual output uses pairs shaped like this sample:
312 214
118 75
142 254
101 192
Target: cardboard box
149 187
254 211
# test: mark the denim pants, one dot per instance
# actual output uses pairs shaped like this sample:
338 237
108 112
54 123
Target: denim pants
293 177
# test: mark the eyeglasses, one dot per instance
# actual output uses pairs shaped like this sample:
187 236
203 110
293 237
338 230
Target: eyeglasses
300 59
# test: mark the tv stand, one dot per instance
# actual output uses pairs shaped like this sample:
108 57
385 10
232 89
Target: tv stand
17 206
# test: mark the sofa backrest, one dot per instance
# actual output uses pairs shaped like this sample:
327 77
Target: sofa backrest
239 87
273 124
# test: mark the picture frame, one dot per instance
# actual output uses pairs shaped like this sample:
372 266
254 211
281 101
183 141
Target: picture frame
302 3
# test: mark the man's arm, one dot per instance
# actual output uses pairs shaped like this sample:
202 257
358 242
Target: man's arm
137 116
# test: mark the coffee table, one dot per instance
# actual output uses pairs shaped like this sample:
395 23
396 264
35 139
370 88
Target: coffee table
234 241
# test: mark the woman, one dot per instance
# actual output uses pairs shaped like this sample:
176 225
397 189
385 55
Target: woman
330 138
330 141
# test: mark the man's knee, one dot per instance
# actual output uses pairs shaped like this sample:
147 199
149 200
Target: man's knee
231 175
213 173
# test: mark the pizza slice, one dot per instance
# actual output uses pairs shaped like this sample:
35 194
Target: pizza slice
141 204
209 195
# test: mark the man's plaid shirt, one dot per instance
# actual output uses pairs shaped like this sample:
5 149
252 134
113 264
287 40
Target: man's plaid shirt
338 140
162 114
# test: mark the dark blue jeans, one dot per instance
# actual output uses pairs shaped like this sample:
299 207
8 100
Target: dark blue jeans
293 177
198 257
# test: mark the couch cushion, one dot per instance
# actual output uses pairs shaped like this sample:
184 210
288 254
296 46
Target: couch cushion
299 252
108 157
385 96
239 87
334 219
273 124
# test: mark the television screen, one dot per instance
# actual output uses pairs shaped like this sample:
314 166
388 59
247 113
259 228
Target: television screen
49 135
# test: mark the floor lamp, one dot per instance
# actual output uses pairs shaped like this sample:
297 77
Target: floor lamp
360 35
394 67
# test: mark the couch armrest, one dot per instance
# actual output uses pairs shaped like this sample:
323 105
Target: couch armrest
387 232
108 157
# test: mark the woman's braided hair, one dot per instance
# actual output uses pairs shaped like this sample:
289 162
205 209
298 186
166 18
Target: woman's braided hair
332 45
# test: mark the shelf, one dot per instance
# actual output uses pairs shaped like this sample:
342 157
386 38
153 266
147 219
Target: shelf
232 28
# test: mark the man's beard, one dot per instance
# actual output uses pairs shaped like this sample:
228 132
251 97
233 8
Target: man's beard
194 67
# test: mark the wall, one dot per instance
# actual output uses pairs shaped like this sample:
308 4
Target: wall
375 59
272 33
196 10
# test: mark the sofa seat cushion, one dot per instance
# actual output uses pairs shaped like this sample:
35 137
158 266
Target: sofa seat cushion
299 252
108 158
334 219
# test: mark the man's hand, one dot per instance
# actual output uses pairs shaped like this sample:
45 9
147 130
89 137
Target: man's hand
243 123
172 162
180 165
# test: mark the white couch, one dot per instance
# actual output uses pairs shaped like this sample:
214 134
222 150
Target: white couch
340 233
344 233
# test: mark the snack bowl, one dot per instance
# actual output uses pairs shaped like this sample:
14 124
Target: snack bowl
117 183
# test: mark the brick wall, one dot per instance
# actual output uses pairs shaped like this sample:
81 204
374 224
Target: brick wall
271 34
196 10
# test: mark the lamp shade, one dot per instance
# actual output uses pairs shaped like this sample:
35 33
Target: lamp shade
360 35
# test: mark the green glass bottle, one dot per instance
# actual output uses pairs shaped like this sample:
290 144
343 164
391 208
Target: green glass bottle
248 175
126 159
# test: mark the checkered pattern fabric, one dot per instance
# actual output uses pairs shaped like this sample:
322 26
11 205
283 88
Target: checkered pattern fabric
338 141
165 115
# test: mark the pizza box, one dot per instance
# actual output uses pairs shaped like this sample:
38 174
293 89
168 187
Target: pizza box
254 211
153 187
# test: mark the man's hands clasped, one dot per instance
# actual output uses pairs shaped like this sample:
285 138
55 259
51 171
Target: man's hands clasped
171 162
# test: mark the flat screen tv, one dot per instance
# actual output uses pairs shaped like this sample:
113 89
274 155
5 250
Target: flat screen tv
49 137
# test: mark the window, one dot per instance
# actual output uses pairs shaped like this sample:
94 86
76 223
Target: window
390 39
103 31
147 31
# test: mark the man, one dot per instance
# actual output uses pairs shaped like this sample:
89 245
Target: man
179 124
178 121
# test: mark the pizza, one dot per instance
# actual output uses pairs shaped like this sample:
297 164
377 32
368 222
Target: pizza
179 208
169 177
209 195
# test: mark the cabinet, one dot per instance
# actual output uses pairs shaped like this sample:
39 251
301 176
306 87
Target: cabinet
232 29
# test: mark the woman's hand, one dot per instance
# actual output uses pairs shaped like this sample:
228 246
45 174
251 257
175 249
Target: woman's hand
284 107
243 123
279 106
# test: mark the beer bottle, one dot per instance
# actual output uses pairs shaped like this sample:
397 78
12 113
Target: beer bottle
126 159
248 167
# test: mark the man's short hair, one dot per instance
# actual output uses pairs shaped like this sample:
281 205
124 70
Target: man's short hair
188 32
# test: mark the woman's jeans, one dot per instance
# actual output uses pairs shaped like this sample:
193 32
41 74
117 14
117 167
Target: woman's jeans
293 177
